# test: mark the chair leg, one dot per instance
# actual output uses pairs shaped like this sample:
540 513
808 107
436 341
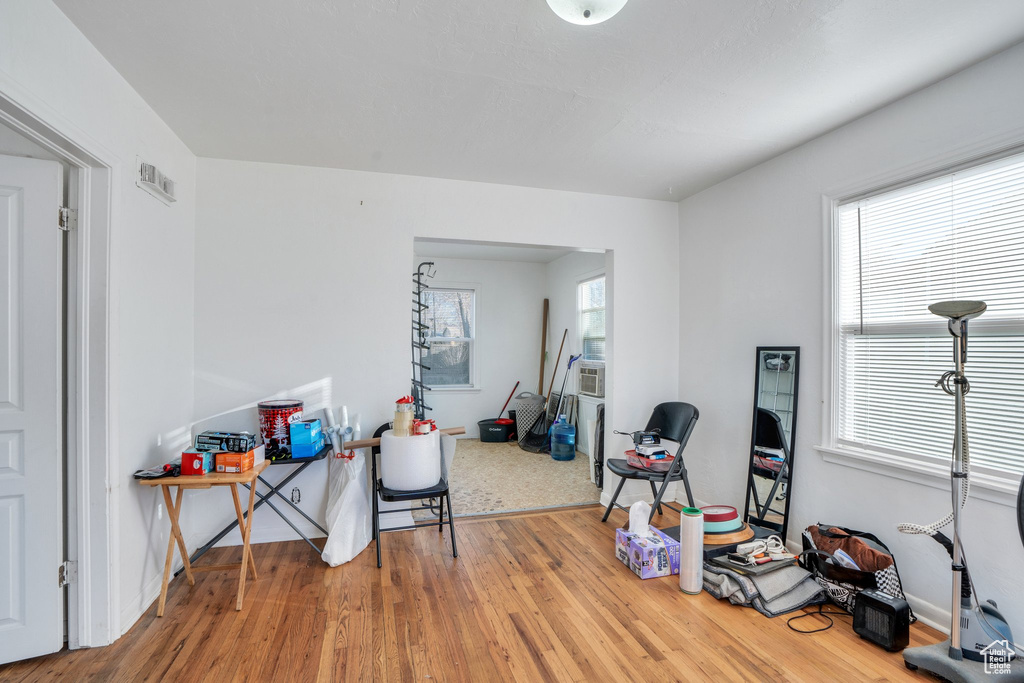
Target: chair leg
440 516
451 525
622 480
376 522
654 492
657 497
689 493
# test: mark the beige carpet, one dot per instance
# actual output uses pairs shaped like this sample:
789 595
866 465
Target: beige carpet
501 477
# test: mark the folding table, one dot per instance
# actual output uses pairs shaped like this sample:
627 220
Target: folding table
275 490
206 481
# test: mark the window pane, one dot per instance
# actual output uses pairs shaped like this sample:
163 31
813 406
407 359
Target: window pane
591 294
960 236
450 313
448 363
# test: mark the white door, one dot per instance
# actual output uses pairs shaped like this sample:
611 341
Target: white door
31 515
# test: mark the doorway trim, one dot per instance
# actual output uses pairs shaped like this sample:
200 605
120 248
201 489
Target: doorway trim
91 505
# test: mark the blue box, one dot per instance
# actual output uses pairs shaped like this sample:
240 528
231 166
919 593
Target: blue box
308 450
306 431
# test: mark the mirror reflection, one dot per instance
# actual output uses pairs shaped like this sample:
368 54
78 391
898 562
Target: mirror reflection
771 449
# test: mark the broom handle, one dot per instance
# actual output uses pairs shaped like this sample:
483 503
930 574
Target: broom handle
508 399
372 443
547 401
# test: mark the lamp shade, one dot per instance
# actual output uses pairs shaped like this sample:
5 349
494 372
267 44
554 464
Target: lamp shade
586 12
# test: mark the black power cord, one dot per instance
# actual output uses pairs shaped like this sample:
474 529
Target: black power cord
1020 510
820 613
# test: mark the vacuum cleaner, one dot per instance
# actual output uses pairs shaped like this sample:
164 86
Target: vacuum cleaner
977 630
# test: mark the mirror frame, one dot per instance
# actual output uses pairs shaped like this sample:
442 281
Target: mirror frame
795 350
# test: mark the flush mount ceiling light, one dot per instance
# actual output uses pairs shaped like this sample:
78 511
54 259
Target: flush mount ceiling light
586 12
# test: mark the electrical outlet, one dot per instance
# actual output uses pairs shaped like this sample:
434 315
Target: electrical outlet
296 495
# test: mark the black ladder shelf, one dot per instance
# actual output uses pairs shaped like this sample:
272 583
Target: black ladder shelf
419 338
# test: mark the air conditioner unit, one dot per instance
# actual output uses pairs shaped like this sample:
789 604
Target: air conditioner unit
591 380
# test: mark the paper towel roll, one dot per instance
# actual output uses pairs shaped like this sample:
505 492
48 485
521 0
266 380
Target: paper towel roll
409 463
691 550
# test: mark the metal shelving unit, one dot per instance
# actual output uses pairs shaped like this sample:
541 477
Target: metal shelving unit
419 338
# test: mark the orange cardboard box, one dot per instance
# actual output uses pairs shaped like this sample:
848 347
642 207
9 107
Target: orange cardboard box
235 462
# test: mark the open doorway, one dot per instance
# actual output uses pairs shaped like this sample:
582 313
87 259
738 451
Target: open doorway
486 329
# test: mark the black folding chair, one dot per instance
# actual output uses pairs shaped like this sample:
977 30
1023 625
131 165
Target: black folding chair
438 491
676 421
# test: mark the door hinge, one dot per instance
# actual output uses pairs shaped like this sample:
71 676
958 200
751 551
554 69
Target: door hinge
67 573
67 219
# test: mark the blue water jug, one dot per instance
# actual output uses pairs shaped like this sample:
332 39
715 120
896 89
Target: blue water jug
563 440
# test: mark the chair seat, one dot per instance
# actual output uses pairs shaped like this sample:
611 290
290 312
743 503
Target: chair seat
393 495
622 468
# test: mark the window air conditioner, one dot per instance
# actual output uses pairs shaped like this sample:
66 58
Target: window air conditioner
591 380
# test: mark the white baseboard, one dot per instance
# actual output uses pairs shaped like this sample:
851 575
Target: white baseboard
133 610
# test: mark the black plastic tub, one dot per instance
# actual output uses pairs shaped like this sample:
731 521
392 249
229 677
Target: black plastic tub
495 430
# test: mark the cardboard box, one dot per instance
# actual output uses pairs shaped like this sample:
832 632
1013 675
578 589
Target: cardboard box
656 555
236 442
308 450
235 462
305 431
622 539
195 462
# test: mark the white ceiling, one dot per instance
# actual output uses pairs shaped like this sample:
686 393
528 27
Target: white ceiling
663 100
478 251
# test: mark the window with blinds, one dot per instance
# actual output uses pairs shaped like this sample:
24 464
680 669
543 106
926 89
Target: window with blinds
959 236
591 310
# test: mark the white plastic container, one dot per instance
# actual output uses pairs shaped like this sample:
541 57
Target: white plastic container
409 463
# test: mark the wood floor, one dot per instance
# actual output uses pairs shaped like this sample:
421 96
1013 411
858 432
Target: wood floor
531 597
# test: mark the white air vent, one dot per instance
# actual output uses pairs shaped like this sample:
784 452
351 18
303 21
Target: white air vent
154 182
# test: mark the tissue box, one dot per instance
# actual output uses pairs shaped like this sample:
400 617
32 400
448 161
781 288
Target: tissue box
195 462
307 450
656 555
305 431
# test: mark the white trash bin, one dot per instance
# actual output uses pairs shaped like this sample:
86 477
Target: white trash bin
409 463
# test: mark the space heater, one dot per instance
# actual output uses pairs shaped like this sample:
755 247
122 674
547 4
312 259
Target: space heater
882 619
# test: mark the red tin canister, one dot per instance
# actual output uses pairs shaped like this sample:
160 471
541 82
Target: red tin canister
276 418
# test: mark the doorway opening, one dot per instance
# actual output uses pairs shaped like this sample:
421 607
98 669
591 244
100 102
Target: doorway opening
504 321
89 617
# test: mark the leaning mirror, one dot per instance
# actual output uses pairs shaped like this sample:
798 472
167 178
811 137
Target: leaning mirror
776 380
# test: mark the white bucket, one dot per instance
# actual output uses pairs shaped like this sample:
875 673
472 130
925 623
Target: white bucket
409 463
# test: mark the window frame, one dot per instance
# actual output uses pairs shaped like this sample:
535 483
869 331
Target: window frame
989 485
474 376
590 277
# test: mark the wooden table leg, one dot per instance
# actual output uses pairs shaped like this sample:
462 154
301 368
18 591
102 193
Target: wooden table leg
241 525
175 538
246 552
174 513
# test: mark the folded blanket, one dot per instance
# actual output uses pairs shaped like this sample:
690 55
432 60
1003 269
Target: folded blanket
771 594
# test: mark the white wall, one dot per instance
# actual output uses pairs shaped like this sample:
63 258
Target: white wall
48 66
318 285
510 302
563 274
733 300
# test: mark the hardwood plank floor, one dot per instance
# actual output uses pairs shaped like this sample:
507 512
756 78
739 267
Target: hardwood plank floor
532 596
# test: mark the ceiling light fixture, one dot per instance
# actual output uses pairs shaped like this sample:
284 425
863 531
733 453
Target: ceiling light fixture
586 12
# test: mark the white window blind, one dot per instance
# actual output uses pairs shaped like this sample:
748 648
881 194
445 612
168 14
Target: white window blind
451 332
591 308
959 236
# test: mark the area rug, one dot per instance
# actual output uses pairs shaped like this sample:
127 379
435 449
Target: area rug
501 477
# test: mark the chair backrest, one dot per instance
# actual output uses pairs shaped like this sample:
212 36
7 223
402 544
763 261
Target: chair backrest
769 432
675 420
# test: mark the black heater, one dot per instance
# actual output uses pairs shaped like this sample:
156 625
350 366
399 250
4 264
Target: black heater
882 619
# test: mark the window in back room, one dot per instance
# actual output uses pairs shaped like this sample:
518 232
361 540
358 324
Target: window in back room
451 321
590 308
